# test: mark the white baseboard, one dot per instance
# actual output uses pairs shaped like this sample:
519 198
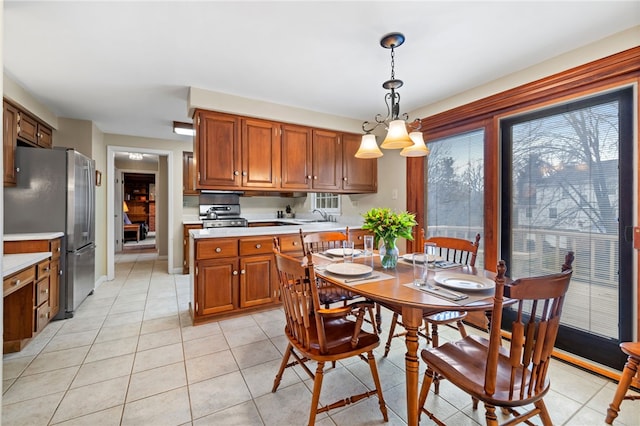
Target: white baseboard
99 281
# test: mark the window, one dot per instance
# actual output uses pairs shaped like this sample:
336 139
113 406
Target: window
553 213
325 201
455 188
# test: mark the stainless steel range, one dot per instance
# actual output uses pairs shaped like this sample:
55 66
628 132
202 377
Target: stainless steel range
221 210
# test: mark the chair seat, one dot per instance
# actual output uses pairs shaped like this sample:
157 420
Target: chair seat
631 348
463 362
338 332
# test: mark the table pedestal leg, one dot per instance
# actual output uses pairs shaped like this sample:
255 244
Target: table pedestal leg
412 319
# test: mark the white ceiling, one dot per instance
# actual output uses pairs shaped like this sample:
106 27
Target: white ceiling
127 66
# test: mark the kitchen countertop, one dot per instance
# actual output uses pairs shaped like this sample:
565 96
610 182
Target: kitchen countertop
33 236
12 263
271 230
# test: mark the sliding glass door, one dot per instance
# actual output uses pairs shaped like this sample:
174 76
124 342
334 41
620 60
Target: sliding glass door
567 174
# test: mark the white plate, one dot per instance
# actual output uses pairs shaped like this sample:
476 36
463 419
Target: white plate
464 282
432 257
349 269
340 252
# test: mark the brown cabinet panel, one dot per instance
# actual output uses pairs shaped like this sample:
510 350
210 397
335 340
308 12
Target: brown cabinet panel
257 280
44 136
54 287
189 174
296 157
358 174
9 134
42 292
260 154
217 286
326 161
258 245
218 150
27 128
216 248
185 245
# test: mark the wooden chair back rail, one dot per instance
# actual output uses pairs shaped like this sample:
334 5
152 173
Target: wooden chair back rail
318 242
456 249
534 331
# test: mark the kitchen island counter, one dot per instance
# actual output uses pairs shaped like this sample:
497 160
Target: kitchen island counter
271 230
32 236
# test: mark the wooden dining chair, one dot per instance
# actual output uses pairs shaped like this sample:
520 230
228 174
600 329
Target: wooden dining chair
507 377
318 242
321 334
632 349
454 250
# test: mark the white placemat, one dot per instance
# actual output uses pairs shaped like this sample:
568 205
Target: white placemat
354 281
473 296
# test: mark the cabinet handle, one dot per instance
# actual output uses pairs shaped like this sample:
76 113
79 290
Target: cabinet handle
58 250
242 272
218 249
47 269
315 177
258 246
244 173
60 272
18 169
16 282
236 173
18 128
344 178
295 243
235 272
309 177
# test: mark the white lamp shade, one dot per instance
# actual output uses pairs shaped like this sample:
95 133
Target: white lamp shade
397 136
368 147
418 149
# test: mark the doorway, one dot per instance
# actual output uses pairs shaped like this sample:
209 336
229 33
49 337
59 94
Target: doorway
139 211
164 203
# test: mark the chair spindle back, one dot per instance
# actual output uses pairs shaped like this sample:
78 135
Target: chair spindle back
456 249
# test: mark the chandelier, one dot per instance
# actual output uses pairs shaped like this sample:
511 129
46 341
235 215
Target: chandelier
412 144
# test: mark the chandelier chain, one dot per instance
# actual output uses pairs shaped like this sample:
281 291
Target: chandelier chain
393 64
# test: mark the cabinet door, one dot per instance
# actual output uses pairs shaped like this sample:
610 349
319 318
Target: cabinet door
260 154
217 150
27 128
189 174
327 161
257 280
9 134
44 136
296 157
358 174
217 288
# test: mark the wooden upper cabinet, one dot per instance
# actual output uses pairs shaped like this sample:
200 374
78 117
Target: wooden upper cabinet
326 161
358 174
296 157
27 128
188 174
260 154
218 150
44 136
9 134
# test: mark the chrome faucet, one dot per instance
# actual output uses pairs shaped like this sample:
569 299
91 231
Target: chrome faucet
324 215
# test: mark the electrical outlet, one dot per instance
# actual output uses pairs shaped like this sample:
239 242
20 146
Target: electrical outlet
394 194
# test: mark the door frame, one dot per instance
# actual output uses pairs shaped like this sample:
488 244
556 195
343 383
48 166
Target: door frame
111 151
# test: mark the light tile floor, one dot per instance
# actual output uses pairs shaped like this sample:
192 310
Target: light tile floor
131 357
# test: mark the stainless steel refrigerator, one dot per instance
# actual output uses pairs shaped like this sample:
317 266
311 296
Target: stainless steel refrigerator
55 191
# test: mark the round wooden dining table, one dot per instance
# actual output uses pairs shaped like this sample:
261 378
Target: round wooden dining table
390 286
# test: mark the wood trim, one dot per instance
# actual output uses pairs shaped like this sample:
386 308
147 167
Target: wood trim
415 204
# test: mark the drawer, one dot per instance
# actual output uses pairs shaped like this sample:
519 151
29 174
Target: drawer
215 248
19 280
44 269
42 292
42 317
290 242
54 248
260 245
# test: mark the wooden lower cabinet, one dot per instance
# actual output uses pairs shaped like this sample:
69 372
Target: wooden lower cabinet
28 310
233 276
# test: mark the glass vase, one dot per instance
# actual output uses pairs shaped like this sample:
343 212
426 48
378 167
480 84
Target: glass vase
389 253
